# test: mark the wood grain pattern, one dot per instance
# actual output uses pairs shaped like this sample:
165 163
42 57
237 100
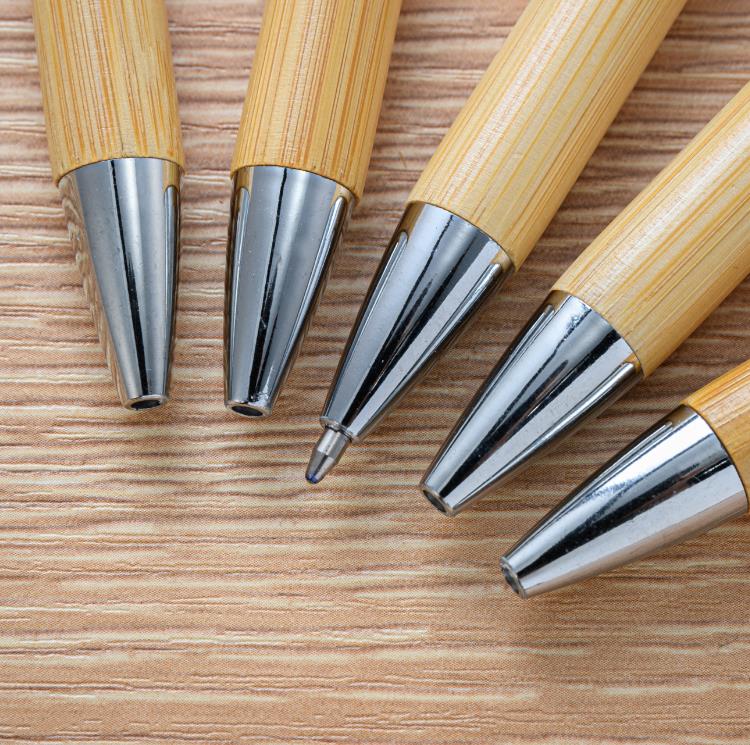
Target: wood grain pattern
171 578
725 404
316 88
107 82
680 247
540 110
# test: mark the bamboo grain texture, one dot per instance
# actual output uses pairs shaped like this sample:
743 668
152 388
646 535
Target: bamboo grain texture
538 113
680 247
108 87
170 578
316 87
725 404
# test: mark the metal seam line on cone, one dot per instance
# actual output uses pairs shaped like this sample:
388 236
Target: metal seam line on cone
123 218
654 273
286 224
674 482
567 365
437 271
300 162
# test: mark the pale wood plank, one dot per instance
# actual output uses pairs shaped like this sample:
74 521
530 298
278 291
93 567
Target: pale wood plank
171 578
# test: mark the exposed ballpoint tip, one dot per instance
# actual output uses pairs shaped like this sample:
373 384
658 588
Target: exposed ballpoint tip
319 467
315 474
326 454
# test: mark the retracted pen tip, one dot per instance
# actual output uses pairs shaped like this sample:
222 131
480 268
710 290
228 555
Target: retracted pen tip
326 455
510 576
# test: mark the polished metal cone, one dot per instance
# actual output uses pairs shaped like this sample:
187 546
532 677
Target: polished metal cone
437 272
285 226
675 482
565 367
123 217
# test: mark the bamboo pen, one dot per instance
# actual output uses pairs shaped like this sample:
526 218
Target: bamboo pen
686 475
116 153
487 195
631 298
299 165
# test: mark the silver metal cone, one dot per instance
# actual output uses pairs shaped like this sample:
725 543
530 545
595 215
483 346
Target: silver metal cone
675 482
285 226
436 273
565 367
123 217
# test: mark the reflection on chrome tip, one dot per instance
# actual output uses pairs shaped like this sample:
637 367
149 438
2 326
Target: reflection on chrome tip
674 482
436 273
123 217
285 227
565 367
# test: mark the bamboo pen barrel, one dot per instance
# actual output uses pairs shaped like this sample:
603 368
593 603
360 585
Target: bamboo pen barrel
545 102
107 81
725 405
316 87
660 268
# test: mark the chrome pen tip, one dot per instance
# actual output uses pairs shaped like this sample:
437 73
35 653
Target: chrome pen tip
284 229
436 500
326 454
566 366
123 217
436 273
143 403
674 482
510 576
249 409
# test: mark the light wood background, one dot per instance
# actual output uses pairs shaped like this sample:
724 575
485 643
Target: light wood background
170 578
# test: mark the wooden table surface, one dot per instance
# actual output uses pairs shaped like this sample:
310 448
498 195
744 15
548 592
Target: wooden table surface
171 578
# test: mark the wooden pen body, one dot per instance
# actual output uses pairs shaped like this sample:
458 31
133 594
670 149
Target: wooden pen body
660 268
545 102
725 404
107 81
316 87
